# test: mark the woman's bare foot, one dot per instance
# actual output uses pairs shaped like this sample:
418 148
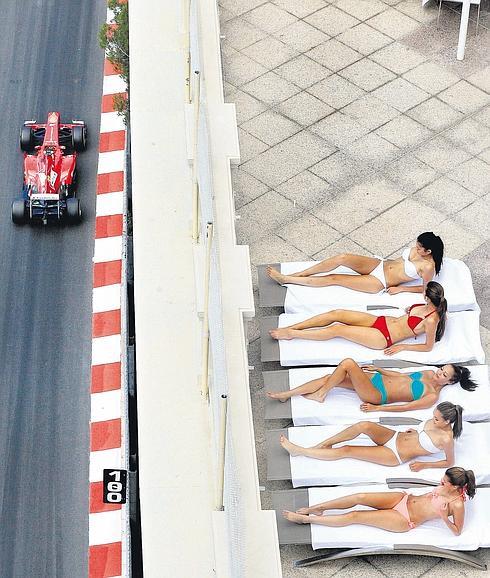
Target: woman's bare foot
318 396
281 333
297 518
274 274
281 396
291 448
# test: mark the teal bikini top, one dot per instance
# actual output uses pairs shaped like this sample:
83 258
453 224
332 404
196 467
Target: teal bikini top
416 386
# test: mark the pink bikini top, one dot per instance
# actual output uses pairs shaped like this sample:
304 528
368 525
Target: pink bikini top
441 502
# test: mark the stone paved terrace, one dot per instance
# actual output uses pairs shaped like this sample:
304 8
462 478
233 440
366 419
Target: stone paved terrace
358 130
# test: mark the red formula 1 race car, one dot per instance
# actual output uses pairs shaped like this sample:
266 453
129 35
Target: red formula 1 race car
50 171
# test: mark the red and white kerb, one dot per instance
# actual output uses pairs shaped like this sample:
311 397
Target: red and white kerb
106 522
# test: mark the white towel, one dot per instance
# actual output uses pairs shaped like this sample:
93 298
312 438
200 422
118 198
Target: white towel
454 276
476 531
461 342
342 405
471 452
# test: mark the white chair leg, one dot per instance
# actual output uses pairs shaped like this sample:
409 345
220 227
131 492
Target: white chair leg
478 18
439 12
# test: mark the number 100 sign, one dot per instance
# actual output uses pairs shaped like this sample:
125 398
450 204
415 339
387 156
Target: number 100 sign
115 486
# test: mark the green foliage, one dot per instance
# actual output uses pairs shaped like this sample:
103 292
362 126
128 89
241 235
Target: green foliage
115 42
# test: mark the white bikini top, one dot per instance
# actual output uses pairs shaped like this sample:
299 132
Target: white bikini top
410 269
426 442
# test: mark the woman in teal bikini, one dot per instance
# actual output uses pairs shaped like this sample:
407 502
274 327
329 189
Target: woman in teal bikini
392 448
377 386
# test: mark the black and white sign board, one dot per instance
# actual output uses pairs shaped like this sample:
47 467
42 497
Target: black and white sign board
115 482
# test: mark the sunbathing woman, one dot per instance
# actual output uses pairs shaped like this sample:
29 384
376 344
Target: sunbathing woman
420 262
418 390
393 448
397 511
377 332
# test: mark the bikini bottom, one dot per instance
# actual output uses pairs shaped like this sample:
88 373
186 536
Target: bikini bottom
402 509
391 445
379 273
377 381
382 327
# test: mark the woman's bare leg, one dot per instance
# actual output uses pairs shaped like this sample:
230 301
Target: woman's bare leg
365 283
367 336
390 520
379 434
378 500
355 318
348 375
358 263
307 388
374 454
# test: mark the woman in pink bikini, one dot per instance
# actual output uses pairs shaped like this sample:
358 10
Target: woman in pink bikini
420 262
397 511
377 332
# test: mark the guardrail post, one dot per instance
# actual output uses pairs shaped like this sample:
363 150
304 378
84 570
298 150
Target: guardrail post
187 48
205 320
222 453
195 181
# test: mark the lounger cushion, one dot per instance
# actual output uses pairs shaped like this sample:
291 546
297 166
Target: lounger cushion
461 342
476 532
455 277
343 405
471 452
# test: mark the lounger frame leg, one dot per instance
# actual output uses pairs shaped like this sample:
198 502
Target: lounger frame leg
409 549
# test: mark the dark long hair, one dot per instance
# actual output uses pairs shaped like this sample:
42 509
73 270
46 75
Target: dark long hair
464 479
434 244
453 414
462 374
435 293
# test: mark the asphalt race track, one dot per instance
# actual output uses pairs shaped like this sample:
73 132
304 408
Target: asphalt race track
50 60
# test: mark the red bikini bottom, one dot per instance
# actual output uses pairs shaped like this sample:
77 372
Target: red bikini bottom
380 325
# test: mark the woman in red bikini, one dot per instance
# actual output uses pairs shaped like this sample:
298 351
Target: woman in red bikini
397 511
377 332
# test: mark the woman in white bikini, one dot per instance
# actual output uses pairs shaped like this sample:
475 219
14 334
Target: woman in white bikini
420 262
397 511
393 448
377 332
377 386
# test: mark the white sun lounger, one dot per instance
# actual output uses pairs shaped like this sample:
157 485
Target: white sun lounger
471 452
455 277
343 406
430 539
460 343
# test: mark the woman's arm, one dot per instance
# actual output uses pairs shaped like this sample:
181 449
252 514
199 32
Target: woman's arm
448 449
430 326
417 466
405 289
456 527
382 370
423 403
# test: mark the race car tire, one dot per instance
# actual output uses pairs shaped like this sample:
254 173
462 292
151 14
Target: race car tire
79 137
73 210
19 211
26 139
